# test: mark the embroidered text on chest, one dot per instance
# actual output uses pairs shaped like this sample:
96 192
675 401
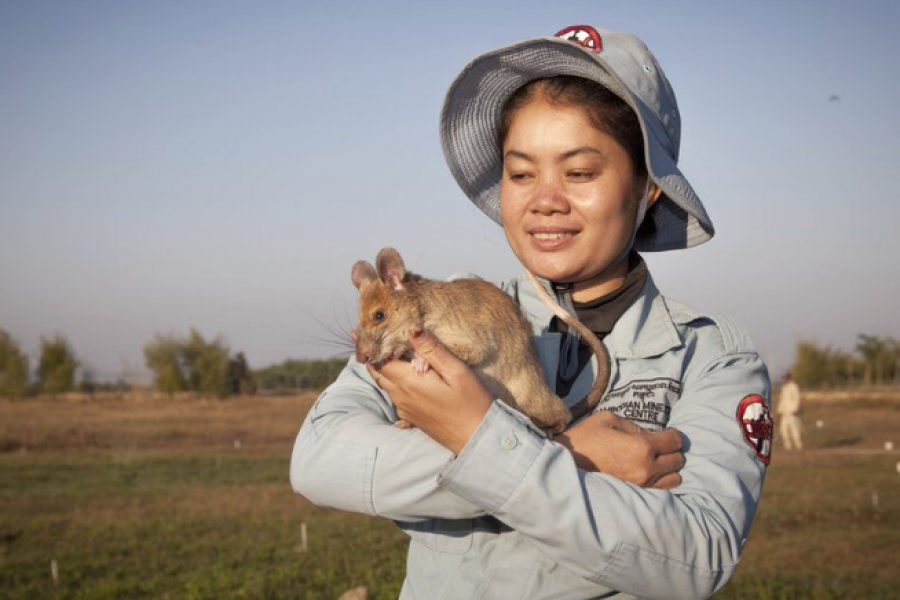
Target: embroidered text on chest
649 400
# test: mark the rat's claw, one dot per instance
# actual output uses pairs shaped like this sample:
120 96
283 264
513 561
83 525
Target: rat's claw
420 365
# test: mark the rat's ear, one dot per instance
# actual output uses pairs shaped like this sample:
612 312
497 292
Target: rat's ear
391 268
362 272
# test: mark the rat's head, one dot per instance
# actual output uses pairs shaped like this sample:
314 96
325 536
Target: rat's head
387 311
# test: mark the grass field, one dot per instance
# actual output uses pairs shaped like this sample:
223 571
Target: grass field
190 499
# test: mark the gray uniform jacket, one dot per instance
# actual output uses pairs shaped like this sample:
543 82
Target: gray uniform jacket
513 518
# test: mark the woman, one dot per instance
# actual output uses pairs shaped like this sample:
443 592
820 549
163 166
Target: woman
570 142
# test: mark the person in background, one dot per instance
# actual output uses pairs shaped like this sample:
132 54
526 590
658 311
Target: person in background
788 409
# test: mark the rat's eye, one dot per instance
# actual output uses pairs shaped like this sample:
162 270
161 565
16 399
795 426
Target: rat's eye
378 316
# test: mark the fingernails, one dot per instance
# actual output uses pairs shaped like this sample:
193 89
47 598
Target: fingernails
415 333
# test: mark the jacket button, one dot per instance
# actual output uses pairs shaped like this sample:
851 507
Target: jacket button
510 441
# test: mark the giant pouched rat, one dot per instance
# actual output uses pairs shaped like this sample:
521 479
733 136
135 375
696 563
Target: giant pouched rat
477 322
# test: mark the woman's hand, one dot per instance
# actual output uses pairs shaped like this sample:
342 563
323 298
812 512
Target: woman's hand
606 443
447 402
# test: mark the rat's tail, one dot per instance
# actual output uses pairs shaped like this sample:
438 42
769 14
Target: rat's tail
603 366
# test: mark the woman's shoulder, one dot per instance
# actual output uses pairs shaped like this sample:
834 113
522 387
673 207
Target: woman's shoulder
723 333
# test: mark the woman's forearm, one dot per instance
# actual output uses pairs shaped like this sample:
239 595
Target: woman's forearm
349 455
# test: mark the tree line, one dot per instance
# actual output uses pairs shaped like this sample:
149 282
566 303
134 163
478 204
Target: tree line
55 370
874 361
292 374
178 363
193 363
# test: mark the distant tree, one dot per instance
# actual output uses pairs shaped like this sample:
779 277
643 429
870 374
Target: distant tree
895 347
192 363
846 368
240 377
163 356
880 356
13 368
812 364
57 366
206 364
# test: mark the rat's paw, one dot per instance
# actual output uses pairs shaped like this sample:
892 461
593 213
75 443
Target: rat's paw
404 424
420 365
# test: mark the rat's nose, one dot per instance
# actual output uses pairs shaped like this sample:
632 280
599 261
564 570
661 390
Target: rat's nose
362 355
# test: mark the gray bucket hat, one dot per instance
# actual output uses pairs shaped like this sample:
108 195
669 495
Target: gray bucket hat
618 61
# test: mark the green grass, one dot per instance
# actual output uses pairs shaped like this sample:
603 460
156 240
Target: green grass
148 515
169 527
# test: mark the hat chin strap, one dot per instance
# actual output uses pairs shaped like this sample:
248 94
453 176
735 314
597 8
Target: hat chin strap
642 210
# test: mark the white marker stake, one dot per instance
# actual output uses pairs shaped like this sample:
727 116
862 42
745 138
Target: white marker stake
237 444
303 542
888 446
820 424
875 500
54 572
898 468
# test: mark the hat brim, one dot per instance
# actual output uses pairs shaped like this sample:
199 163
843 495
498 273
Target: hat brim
469 135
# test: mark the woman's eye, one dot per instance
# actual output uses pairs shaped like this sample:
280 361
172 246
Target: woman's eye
378 316
519 176
581 175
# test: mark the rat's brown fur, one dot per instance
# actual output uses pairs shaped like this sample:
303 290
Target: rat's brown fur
474 319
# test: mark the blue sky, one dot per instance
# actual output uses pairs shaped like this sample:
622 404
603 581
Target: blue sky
223 164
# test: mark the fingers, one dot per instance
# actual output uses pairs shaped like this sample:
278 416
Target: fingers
434 352
669 463
378 376
394 374
666 442
668 482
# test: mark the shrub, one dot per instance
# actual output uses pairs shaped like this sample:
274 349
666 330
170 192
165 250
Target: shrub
57 366
13 368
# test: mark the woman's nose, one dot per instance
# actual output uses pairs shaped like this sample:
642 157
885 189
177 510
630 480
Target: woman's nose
549 197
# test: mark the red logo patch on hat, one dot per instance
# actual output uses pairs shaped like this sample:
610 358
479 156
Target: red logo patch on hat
583 35
756 422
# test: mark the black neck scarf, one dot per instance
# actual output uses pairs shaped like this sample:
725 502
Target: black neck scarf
600 316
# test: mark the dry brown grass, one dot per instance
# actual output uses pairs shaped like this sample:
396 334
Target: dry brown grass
146 422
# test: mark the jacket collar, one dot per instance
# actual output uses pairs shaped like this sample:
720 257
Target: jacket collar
646 329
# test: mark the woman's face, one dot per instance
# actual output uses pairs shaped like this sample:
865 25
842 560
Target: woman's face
568 197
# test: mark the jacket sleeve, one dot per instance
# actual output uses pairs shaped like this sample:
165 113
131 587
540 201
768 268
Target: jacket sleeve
683 543
349 455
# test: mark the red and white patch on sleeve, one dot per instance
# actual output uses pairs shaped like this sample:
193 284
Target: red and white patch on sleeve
583 35
756 422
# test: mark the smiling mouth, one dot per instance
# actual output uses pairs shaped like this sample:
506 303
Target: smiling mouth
551 241
552 236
